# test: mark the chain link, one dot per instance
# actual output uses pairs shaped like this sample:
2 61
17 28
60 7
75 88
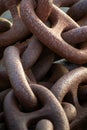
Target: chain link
37 90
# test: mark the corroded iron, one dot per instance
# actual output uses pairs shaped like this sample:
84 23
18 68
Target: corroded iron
70 111
46 91
55 42
19 82
18 29
43 64
33 50
45 5
78 10
76 36
70 83
51 106
44 125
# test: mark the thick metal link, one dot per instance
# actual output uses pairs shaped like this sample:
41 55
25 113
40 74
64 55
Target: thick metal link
18 30
18 78
34 43
43 64
42 35
70 111
44 8
51 106
33 50
78 10
44 125
76 36
15 33
53 41
70 83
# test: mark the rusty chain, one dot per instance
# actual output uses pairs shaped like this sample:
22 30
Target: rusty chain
37 90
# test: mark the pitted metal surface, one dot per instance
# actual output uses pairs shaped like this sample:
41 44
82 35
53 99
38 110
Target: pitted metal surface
43 65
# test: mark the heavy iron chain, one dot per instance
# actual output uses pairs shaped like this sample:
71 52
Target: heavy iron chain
38 91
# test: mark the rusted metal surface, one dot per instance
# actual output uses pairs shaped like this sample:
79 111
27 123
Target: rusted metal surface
44 124
70 83
70 111
34 50
43 65
78 10
38 91
19 81
51 106
18 29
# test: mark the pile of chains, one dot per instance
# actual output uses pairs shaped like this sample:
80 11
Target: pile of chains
43 71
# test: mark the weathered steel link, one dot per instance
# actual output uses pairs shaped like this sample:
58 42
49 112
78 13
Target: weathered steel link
70 111
78 10
18 29
69 83
34 50
44 8
53 41
44 125
51 106
43 64
18 79
4 79
47 92
76 36
75 77
33 42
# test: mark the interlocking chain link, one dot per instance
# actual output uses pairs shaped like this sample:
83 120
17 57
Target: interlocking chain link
38 91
